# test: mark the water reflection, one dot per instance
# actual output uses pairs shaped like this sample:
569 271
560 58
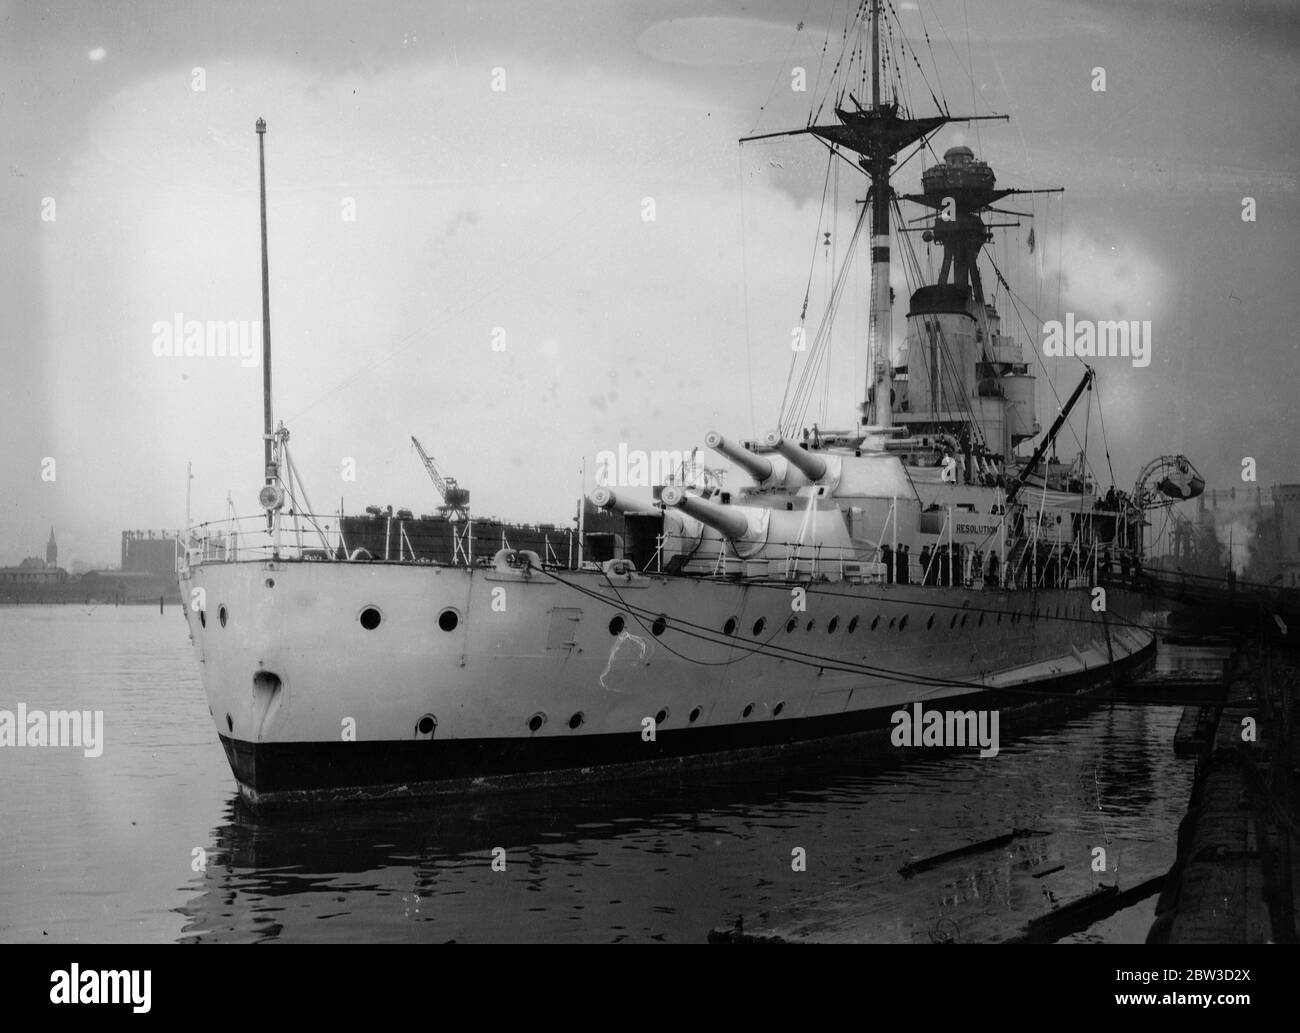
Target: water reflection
668 858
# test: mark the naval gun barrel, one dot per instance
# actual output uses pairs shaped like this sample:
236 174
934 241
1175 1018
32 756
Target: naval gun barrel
756 466
721 519
603 498
811 466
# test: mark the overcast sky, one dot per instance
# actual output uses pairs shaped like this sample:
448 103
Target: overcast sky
522 209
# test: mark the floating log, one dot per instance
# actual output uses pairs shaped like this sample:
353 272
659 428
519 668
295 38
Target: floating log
1077 915
908 870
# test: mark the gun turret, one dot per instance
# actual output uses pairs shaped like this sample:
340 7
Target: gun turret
811 466
725 521
756 466
603 498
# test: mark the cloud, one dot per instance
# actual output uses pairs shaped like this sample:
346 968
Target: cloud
1109 274
382 327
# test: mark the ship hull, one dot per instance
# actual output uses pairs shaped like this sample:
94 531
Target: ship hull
548 678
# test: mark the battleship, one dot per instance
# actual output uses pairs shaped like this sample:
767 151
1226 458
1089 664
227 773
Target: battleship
932 550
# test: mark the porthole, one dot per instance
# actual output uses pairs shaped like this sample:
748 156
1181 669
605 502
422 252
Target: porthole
759 625
892 622
791 624
658 627
575 722
662 716
963 619
903 623
776 710
270 582
536 721
203 619
749 709
730 627
834 623
853 625
230 725
875 623
448 619
426 724
616 625
694 715
980 622
221 615
929 623
810 625
952 621
370 618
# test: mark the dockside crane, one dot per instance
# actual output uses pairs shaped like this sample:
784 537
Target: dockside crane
455 499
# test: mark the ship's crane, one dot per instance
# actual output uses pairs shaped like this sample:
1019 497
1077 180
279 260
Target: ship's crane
455 499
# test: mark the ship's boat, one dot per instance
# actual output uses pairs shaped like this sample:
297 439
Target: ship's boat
912 556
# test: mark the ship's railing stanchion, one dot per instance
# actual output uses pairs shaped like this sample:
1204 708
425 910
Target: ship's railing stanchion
459 540
893 522
892 526
657 559
951 558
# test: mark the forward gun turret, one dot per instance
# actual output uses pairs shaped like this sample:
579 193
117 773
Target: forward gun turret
604 498
811 466
756 466
728 522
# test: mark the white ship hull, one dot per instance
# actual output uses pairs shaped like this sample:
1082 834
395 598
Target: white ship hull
536 682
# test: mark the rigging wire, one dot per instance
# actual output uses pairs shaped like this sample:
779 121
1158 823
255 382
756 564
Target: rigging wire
1016 301
744 273
1101 416
781 70
821 662
970 60
807 293
792 416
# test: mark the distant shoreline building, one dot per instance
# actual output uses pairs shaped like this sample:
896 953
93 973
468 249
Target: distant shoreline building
147 573
1267 526
1286 524
36 571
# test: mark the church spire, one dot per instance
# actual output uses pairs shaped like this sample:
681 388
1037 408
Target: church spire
52 551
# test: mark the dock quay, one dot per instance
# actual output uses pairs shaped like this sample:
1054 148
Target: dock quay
1235 875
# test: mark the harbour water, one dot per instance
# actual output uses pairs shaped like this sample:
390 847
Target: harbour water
149 843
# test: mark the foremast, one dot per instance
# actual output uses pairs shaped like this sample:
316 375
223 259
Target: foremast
876 133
